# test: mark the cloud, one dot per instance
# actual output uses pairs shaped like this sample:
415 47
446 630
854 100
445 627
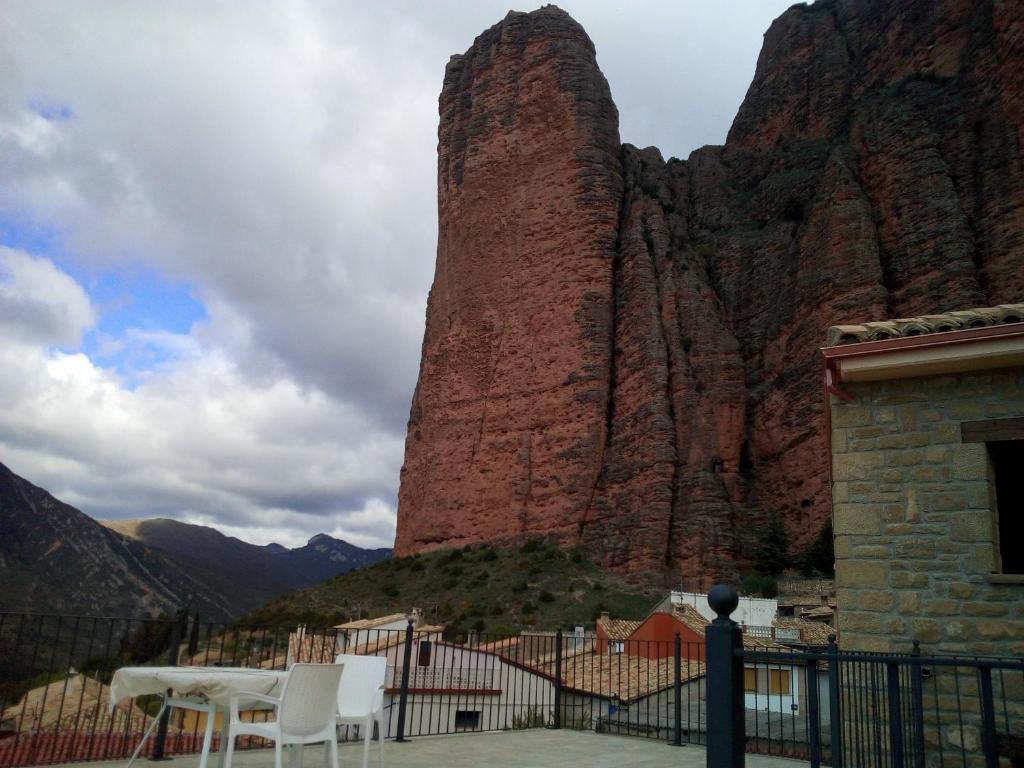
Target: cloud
279 160
39 304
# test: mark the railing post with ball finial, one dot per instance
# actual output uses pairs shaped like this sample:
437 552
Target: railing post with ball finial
725 739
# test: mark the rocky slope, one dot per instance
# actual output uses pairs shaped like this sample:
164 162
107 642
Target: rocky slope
55 559
621 352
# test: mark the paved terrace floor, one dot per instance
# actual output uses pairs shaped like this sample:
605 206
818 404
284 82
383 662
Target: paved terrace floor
535 748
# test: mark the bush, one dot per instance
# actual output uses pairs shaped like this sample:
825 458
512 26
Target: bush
489 555
772 555
819 556
757 584
546 597
527 607
532 545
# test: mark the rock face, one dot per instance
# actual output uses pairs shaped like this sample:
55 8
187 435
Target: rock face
621 352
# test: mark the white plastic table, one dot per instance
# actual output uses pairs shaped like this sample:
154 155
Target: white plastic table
202 689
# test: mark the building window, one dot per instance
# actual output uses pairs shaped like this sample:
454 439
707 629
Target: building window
466 720
771 681
423 659
616 646
749 680
778 681
1007 465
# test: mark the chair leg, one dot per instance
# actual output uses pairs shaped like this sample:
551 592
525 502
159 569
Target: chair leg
332 751
295 756
229 753
380 736
277 753
366 731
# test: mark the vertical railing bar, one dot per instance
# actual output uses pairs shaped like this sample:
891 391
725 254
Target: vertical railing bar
404 691
812 720
895 715
988 718
83 673
960 715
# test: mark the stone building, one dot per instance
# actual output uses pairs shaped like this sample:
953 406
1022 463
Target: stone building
927 443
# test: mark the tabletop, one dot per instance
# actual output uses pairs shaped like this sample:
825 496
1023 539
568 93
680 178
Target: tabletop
216 684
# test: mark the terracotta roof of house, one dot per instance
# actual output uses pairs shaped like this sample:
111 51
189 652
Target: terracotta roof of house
811 632
690 617
618 629
391 639
63 703
982 317
620 675
373 623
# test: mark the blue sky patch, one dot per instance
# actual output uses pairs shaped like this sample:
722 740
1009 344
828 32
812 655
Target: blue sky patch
53 112
144 317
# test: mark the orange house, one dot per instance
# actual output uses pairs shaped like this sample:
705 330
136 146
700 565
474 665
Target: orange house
654 637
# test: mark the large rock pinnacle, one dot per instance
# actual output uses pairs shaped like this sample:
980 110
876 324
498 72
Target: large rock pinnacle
621 352
508 420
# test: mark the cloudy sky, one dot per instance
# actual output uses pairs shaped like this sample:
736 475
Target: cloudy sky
217 233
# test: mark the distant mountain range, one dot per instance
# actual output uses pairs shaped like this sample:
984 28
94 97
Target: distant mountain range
56 559
264 572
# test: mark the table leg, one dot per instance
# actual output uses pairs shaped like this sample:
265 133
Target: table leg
149 730
211 715
225 736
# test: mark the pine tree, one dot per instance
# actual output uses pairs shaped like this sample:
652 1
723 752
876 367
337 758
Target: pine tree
819 555
772 555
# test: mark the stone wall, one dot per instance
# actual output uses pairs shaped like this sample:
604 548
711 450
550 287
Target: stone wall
914 516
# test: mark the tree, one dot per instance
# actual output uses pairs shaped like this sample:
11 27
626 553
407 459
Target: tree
819 556
772 555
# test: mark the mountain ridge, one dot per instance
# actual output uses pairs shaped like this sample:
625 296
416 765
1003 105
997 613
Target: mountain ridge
56 559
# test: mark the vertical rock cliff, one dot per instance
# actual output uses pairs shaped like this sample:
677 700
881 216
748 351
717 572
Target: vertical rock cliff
621 352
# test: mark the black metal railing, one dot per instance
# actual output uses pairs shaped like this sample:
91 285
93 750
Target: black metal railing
869 710
55 673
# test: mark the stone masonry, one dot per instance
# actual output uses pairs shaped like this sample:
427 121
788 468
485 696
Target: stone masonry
914 517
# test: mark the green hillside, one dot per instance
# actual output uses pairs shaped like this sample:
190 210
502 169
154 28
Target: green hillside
486 589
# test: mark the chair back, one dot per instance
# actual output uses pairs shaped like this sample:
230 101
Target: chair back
310 698
362 677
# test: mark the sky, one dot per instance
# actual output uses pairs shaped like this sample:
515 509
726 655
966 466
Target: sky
218 224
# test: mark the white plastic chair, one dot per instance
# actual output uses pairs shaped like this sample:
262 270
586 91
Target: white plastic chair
305 713
361 697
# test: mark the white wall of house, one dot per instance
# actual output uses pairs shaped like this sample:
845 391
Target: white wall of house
778 688
461 689
751 611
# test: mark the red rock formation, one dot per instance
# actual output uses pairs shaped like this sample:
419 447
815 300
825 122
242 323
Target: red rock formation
622 352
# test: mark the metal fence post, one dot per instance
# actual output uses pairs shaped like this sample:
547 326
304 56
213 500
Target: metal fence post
895 715
917 703
403 694
813 712
725 725
834 713
557 722
177 630
988 718
677 698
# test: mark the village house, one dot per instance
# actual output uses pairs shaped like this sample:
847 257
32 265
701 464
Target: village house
770 687
927 440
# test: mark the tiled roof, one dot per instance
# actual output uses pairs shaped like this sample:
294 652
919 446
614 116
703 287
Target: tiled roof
690 617
839 335
811 632
391 639
618 629
621 675
372 623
